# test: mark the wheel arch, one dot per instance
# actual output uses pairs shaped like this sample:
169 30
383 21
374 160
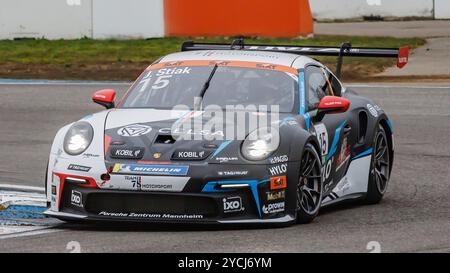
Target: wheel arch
387 127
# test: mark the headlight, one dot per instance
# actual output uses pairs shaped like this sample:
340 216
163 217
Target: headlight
260 143
78 138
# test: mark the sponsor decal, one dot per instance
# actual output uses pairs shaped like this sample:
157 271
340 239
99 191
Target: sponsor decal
173 71
344 154
156 155
150 215
232 204
232 173
278 159
275 195
74 167
127 153
76 199
278 169
56 181
322 137
372 110
266 66
184 131
151 169
278 182
273 208
190 155
87 155
136 181
326 169
226 159
134 130
139 184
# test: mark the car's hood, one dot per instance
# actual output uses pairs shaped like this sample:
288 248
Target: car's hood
148 135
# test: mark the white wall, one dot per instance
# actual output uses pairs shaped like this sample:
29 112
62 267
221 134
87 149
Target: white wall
350 9
52 19
74 19
128 19
442 9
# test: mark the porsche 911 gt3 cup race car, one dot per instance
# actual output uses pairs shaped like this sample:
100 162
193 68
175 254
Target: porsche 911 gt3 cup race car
225 134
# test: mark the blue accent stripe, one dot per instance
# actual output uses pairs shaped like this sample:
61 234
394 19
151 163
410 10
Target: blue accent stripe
301 93
336 137
287 119
221 147
366 152
389 123
211 187
307 120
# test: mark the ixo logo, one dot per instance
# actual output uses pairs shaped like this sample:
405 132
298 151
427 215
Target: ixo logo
232 204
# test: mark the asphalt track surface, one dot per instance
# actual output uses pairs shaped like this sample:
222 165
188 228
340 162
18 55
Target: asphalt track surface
413 217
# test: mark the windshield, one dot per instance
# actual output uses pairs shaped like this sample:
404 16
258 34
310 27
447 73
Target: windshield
165 87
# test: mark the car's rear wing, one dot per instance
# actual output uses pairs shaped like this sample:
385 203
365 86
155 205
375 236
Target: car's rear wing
346 50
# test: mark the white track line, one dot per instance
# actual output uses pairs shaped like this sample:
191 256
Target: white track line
10 187
397 86
37 231
50 82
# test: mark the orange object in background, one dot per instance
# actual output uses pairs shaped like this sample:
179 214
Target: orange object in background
265 18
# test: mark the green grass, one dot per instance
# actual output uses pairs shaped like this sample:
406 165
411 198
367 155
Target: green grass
86 51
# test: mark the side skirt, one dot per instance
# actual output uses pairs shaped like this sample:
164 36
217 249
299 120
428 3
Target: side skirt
354 184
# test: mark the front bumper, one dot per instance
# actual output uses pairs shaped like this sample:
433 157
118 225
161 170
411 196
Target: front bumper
209 196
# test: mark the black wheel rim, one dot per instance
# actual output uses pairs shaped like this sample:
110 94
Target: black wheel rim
380 170
309 188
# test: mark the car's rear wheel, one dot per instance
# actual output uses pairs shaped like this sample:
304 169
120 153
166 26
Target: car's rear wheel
309 187
380 168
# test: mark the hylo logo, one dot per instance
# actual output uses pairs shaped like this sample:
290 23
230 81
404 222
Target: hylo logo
279 169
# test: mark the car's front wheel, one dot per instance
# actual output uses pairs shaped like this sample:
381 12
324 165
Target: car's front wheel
380 168
309 186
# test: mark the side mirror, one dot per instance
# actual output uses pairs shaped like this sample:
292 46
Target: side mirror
332 105
105 98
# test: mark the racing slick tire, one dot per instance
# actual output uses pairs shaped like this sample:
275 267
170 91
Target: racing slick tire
379 173
309 186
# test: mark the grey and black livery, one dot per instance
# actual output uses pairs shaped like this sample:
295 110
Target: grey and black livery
135 169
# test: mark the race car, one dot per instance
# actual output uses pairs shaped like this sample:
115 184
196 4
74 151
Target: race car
225 134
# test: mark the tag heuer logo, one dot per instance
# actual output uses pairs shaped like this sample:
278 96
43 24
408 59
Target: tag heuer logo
134 130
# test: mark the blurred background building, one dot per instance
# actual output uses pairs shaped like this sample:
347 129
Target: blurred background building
124 19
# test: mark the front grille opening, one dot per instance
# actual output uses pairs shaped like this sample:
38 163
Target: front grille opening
164 139
150 203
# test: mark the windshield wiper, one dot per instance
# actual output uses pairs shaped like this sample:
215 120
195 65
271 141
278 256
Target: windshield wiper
206 86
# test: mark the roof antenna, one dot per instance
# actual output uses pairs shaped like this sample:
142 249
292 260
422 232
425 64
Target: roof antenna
238 43
345 47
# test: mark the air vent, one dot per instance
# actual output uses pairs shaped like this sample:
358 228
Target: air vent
362 126
164 139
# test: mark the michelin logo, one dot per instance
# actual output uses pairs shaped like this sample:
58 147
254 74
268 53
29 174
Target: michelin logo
151 169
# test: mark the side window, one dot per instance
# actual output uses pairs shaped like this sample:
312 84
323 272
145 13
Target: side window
336 84
333 87
315 82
